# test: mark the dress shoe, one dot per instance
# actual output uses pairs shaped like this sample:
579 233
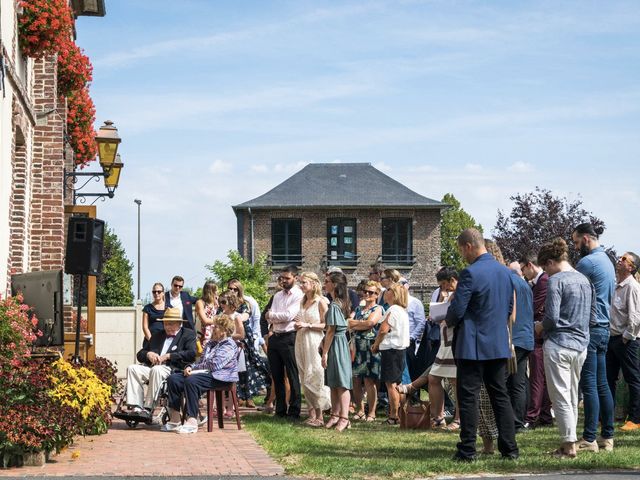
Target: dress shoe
458 457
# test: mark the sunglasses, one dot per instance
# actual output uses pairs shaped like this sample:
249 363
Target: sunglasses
237 290
369 292
222 302
155 292
175 285
627 260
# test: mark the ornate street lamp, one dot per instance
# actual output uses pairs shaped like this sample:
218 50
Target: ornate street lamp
109 159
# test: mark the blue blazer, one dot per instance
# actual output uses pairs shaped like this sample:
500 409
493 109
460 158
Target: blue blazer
480 311
187 307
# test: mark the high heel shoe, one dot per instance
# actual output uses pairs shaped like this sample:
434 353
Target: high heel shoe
341 427
333 419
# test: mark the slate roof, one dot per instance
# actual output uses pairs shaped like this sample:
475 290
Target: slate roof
352 185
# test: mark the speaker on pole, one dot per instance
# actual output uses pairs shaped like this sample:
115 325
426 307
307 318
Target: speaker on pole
85 238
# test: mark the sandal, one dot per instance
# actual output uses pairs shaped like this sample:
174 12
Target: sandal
453 426
392 421
439 423
318 422
560 453
370 419
359 416
406 388
346 426
331 421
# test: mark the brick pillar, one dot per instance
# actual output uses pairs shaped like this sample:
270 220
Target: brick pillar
47 205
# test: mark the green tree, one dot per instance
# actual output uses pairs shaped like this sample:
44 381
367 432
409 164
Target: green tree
115 283
254 278
454 220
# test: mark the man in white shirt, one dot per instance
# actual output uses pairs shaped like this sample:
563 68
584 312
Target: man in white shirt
281 353
624 345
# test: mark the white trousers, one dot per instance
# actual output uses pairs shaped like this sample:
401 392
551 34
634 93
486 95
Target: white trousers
137 376
562 367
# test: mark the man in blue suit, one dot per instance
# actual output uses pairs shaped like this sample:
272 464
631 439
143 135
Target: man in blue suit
480 311
177 298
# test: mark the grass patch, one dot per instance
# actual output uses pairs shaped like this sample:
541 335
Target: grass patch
372 451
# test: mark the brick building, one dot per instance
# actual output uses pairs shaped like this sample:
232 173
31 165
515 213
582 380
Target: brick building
33 155
345 214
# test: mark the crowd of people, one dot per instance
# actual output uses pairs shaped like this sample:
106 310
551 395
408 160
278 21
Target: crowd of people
507 347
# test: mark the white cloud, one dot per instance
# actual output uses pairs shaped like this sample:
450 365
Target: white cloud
473 167
259 168
521 167
383 167
220 166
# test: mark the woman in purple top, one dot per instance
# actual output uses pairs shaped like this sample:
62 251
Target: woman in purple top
217 368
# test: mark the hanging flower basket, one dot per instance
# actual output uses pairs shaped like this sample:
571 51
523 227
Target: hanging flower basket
80 118
43 26
74 68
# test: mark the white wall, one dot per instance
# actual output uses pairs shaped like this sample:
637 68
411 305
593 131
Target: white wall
7 28
119 335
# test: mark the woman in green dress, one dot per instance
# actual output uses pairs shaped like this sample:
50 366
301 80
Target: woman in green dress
336 358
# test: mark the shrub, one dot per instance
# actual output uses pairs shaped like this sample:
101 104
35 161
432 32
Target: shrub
80 389
17 330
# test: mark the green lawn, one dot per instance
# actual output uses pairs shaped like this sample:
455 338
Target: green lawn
371 451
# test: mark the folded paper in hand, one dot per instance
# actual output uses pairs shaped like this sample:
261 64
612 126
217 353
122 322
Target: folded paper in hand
438 311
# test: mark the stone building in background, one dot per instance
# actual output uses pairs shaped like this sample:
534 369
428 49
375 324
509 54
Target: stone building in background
344 214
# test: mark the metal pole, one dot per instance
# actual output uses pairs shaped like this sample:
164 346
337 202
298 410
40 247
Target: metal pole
138 202
77 359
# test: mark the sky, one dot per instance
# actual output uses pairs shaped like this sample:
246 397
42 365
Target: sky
219 101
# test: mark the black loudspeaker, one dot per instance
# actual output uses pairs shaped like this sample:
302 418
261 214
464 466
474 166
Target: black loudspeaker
84 246
42 291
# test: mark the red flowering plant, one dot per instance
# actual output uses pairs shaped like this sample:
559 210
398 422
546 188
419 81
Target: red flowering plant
43 25
74 68
80 118
30 419
17 331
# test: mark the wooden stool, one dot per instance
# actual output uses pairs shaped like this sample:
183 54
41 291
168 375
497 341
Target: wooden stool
220 407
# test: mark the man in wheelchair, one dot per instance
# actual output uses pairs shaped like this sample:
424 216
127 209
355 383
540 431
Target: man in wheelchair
164 353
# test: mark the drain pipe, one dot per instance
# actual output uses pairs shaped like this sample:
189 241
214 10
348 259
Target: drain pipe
251 235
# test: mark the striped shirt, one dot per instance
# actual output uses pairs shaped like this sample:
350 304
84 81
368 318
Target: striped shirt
221 359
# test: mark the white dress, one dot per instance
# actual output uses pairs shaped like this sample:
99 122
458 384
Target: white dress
316 393
444 365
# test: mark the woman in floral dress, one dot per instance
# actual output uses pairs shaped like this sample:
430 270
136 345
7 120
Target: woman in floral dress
366 365
256 376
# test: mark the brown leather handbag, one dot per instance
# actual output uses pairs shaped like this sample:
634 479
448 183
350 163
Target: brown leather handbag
415 415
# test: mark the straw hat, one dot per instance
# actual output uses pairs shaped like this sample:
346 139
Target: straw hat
171 315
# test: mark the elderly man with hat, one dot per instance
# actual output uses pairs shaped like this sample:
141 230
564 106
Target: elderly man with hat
168 351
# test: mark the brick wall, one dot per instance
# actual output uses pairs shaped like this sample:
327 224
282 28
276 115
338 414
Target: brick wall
47 207
426 239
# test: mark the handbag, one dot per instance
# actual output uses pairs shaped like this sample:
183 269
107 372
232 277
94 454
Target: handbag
415 416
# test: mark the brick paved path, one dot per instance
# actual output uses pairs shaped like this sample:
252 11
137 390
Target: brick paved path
127 452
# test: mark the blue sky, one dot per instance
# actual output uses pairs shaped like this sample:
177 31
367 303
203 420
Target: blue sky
219 101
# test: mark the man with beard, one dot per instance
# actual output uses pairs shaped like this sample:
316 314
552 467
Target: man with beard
281 351
598 402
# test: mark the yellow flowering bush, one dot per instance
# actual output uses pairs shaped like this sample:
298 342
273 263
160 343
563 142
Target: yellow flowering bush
82 390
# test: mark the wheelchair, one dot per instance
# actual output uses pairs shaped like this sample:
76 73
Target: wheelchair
132 419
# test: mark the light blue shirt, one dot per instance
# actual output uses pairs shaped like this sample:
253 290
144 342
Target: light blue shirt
417 318
600 271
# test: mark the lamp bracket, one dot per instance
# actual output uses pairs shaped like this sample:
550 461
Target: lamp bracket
71 179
